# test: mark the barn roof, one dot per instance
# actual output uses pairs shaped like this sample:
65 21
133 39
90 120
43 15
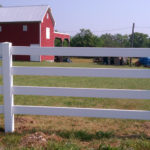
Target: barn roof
24 14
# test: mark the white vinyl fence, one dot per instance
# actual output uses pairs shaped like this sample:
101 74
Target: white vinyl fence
9 90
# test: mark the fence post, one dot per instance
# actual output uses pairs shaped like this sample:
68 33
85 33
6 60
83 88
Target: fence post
8 87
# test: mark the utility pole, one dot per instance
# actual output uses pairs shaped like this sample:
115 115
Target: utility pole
132 41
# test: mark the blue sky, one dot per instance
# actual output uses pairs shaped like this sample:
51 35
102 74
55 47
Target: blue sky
100 16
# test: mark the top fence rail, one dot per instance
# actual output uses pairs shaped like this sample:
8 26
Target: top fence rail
82 52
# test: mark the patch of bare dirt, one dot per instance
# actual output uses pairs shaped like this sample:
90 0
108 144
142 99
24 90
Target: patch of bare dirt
146 125
22 129
54 137
24 123
23 120
86 144
36 139
115 143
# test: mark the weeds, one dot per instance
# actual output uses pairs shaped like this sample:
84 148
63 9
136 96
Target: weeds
80 135
102 134
84 135
62 146
105 147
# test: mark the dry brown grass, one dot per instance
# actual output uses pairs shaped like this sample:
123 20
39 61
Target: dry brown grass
81 60
39 131
121 128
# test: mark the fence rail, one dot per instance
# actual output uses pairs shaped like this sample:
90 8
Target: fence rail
9 90
84 52
81 92
82 72
83 112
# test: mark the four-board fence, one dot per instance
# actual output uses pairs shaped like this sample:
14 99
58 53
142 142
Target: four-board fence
9 90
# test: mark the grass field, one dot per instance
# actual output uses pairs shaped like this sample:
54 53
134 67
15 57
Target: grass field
74 133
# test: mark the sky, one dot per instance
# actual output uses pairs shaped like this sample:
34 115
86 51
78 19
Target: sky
100 16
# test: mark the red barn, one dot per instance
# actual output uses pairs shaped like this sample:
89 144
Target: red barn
29 25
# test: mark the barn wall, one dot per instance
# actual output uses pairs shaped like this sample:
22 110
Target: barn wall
13 32
47 42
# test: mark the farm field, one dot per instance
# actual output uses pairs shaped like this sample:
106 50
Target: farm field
74 133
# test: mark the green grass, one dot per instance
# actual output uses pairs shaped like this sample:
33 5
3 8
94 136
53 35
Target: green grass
73 133
84 82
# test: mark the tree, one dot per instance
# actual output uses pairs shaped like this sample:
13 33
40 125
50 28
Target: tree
117 40
107 40
121 40
65 43
84 39
148 42
140 39
58 42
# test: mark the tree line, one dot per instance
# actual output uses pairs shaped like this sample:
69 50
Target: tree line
85 38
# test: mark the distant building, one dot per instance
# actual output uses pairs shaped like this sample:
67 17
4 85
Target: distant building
29 25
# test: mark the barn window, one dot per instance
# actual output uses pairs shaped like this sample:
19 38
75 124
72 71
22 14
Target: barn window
25 28
47 33
47 16
0 28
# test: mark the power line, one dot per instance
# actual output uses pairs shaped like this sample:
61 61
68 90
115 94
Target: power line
106 30
117 29
143 27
